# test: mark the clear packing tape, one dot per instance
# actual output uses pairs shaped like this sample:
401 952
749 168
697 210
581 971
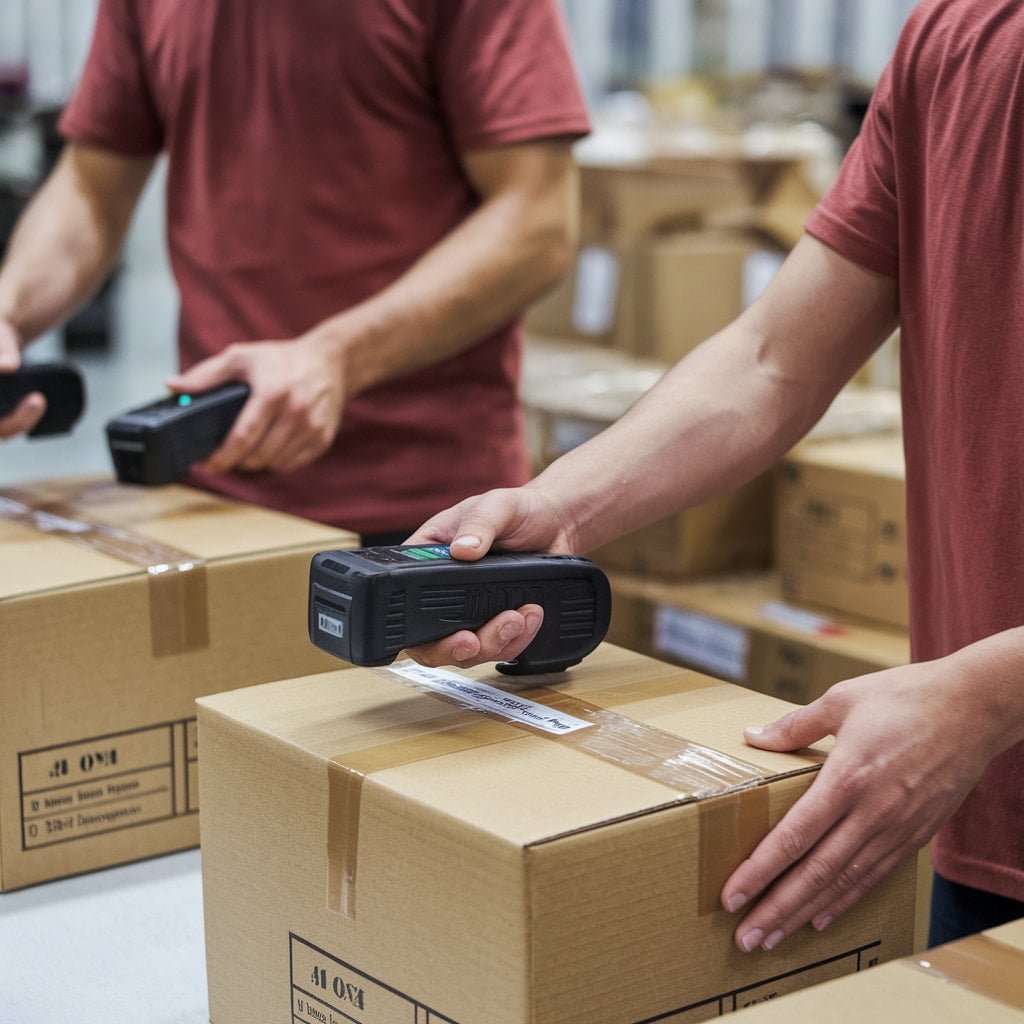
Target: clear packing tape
978 963
486 715
177 583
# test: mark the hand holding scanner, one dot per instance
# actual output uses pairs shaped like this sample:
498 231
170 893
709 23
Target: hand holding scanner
61 385
157 443
367 605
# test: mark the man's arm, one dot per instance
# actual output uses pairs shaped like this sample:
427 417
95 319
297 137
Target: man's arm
724 413
63 246
481 275
911 743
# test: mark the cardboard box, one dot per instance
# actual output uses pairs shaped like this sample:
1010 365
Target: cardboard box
739 628
691 284
373 851
840 527
119 605
978 978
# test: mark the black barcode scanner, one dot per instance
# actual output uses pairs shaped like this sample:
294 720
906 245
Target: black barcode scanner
157 443
62 387
367 605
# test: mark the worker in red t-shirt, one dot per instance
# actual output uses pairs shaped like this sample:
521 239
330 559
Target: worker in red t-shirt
361 198
923 228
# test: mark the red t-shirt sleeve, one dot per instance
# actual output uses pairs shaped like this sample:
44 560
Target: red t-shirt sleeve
505 72
112 106
858 215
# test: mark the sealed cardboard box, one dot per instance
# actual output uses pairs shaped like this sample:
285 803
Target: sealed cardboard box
739 628
840 527
413 845
120 605
978 978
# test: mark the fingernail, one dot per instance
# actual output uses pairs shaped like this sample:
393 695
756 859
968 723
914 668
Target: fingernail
821 923
533 621
751 940
469 541
462 653
733 903
774 939
510 631
754 730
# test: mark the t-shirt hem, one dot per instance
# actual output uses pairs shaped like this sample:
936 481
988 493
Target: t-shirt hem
518 130
996 878
847 241
82 134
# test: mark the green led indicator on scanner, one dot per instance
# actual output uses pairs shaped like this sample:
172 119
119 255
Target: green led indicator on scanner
184 400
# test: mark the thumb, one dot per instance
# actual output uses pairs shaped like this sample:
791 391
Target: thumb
10 348
795 730
486 518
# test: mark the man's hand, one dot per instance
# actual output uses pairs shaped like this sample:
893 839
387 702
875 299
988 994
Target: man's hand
909 746
297 394
31 408
509 519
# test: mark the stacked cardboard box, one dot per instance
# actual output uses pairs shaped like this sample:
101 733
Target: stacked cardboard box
979 978
840 527
742 629
118 607
424 845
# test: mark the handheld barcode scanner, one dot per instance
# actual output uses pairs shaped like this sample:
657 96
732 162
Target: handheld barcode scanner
62 386
157 443
367 605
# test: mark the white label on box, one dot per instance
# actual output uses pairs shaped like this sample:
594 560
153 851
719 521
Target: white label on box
481 697
758 270
705 643
800 619
567 433
597 284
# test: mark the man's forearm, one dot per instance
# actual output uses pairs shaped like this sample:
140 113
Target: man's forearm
67 240
478 277
733 406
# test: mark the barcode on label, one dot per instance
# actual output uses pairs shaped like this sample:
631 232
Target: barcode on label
329 624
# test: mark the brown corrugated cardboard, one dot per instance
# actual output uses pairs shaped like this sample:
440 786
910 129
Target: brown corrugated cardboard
740 628
118 606
979 978
840 527
691 284
374 852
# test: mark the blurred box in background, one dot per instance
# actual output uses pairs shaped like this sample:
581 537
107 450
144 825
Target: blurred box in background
840 527
741 629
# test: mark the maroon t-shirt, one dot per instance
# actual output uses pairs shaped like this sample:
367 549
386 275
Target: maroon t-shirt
932 193
313 158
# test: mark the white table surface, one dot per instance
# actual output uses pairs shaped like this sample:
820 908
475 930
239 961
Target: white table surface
121 945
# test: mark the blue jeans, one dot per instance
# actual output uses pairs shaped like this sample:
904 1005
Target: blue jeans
958 910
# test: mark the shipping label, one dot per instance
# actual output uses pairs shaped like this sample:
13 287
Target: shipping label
107 783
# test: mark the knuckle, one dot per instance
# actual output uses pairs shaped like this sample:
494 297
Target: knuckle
819 872
794 842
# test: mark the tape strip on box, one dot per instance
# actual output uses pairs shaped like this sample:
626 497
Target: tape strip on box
178 609
979 963
691 770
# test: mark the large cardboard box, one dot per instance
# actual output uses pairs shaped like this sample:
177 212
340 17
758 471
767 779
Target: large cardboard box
976 979
739 628
120 605
471 848
841 527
